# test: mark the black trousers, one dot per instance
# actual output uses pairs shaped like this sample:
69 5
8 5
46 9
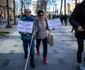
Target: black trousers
44 41
80 49
25 47
65 21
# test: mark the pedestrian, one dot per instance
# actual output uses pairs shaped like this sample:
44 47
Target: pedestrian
54 16
49 16
10 17
77 20
61 18
26 37
65 17
41 34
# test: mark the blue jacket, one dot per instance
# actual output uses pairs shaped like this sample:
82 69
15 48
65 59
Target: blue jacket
26 36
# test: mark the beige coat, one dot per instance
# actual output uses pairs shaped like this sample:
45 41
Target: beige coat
42 31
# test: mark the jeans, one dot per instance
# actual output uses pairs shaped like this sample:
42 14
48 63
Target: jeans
38 41
26 43
80 50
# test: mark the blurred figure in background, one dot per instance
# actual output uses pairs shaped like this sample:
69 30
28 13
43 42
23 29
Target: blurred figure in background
65 17
61 18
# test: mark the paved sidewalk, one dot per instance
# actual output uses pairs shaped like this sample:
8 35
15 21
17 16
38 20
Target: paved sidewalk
3 24
62 56
3 28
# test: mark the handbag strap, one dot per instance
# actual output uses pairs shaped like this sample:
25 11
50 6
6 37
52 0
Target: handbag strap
46 24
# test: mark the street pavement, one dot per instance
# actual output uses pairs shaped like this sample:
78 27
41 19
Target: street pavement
61 56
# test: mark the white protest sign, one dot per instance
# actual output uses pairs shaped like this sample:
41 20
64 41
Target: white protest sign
54 23
25 26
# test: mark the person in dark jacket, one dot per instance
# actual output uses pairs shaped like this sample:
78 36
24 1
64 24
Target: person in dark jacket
61 18
77 20
54 16
65 17
26 37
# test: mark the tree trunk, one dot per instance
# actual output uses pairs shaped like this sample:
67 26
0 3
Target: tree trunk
4 14
24 5
21 7
75 2
42 4
45 6
64 7
8 20
61 7
14 13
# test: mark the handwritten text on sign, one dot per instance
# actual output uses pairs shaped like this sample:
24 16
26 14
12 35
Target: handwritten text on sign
54 23
25 26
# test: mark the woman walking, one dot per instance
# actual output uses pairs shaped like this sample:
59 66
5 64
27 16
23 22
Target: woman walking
42 34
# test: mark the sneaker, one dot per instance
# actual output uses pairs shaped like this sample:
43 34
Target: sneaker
38 52
81 67
32 65
45 60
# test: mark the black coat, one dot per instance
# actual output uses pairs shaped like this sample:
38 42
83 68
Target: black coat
77 18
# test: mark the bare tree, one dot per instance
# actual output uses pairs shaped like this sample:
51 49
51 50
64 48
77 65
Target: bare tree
75 2
52 3
8 19
22 3
28 3
64 7
25 4
42 4
61 7
14 12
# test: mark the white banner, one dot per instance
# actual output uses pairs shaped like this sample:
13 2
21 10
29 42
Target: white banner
25 26
54 23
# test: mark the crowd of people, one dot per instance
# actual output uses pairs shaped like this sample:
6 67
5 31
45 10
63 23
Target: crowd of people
77 20
62 17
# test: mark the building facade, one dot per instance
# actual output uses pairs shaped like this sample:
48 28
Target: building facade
34 6
3 8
